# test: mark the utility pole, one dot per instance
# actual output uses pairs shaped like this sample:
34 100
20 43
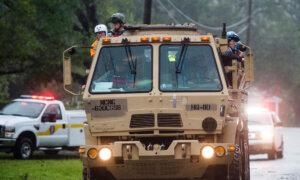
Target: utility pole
249 22
147 11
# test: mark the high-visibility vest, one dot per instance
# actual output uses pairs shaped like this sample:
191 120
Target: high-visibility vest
93 48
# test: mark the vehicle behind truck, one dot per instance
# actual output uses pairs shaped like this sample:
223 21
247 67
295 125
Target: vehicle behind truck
159 106
39 122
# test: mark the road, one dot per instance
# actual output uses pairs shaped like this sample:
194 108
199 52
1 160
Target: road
287 168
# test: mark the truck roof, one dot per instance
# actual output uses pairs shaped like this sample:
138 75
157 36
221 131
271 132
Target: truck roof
185 29
38 100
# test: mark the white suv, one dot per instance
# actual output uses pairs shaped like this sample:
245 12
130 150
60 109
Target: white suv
265 133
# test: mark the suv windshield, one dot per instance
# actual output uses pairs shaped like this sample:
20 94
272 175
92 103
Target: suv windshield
122 69
186 67
22 108
260 119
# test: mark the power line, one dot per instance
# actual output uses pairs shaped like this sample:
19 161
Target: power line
209 27
243 29
168 12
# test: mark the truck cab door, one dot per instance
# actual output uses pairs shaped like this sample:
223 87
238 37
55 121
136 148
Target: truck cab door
53 131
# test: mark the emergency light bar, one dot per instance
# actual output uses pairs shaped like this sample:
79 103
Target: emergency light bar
37 97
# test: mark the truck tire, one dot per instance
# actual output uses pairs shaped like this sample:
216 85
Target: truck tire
51 152
239 168
24 148
235 169
246 159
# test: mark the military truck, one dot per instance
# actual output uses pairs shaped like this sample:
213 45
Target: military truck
159 106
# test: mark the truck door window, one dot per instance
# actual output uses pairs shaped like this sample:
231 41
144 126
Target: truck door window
53 109
121 69
188 68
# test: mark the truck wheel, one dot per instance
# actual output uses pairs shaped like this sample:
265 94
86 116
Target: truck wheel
51 152
246 159
24 149
239 168
279 154
84 174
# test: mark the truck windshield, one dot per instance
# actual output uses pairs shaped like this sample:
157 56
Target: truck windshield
186 67
22 108
260 119
122 69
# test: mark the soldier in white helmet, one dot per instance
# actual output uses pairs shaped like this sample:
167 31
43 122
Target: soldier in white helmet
100 31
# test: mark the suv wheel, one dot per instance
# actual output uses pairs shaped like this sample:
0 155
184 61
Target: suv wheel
272 155
279 154
24 149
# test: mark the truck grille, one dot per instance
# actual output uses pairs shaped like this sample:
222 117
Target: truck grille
142 120
169 120
1 131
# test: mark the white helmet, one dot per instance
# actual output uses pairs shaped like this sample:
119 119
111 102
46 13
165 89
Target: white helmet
100 28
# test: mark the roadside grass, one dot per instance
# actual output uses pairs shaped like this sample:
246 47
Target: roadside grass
41 167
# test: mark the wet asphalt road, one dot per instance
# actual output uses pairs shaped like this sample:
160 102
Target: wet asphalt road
287 168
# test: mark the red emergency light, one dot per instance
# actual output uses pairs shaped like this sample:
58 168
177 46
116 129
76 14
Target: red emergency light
38 97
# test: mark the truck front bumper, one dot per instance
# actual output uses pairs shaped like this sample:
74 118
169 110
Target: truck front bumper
7 144
182 159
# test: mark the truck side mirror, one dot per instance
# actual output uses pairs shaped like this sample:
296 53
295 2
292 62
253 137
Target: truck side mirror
67 71
69 86
49 118
72 51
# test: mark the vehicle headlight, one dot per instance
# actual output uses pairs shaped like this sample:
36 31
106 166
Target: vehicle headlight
267 135
105 154
9 129
207 152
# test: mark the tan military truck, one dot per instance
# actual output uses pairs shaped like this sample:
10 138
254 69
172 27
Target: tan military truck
159 106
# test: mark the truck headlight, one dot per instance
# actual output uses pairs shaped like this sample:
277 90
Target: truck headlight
9 131
105 154
207 152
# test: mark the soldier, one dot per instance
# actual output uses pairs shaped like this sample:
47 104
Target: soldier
233 52
100 31
118 21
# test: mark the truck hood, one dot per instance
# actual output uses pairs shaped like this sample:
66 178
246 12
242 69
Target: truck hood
8 120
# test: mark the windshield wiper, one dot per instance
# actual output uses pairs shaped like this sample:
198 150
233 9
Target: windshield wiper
131 61
15 114
184 47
